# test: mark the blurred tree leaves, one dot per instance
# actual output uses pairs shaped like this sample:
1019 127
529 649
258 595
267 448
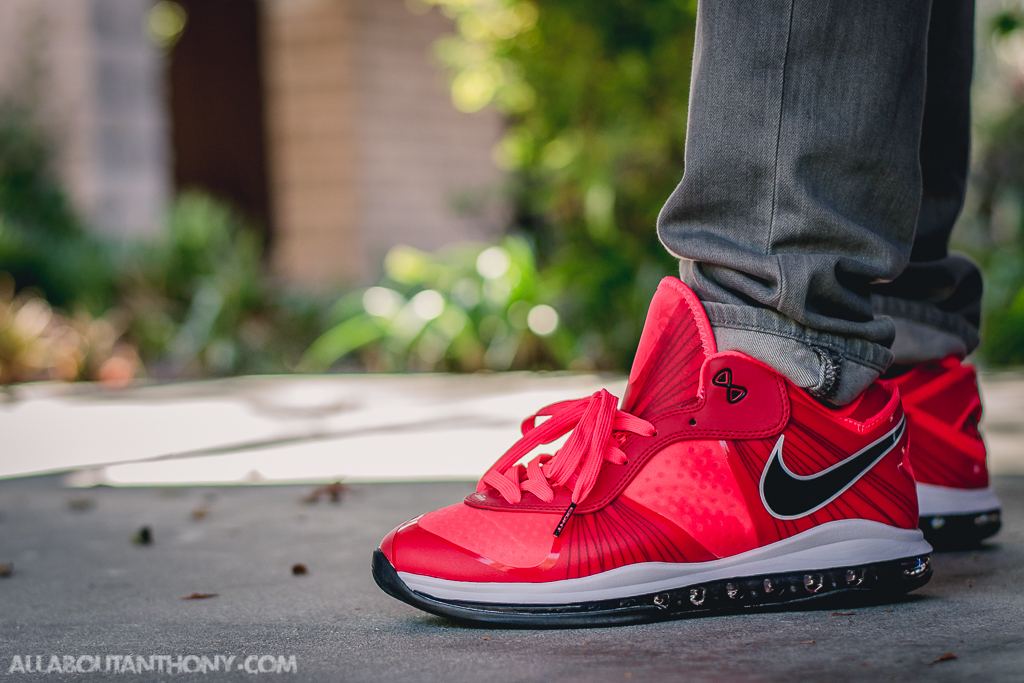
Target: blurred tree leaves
464 308
42 243
200 302
596 98
993 220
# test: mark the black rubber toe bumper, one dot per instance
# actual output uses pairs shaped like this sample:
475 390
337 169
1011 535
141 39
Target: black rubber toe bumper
874 582
960 531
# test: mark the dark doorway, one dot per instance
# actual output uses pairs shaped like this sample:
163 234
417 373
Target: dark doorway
217 106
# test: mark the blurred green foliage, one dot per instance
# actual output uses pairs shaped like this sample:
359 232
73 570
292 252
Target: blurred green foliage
200 303
467 307
194 302
42 243
596 97
994 216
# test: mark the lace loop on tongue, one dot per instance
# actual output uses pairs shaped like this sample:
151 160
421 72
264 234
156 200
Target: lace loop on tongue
594 422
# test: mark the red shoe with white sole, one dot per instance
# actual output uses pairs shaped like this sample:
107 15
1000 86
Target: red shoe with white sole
717 486
958 508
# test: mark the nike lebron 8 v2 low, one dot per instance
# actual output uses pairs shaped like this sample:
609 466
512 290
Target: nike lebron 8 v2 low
717 486
958 508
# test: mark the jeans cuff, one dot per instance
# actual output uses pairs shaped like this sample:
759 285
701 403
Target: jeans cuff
833 368
923 332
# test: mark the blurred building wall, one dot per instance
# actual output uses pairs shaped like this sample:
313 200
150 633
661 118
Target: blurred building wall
427 178
310 89
96 82
366 150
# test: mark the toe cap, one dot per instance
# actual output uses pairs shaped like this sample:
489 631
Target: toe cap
412 549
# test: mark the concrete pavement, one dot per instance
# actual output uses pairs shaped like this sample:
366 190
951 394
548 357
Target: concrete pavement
80 587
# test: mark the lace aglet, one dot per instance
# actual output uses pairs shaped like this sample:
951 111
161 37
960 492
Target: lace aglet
565 518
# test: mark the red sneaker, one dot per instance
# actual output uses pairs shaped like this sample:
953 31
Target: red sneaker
718 485
947 455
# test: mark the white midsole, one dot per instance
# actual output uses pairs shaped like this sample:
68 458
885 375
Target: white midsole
842 543
935 501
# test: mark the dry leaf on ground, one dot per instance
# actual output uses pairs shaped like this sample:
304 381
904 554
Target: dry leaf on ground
333 492
143 536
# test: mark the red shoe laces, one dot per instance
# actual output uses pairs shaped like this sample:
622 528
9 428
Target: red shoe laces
598 430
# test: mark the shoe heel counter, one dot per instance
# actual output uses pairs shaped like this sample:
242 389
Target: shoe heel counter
901 506
905 504
944 409
904 480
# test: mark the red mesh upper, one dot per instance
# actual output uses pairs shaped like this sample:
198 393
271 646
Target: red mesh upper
943 411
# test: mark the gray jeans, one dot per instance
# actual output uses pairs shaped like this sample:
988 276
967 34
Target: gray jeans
826 162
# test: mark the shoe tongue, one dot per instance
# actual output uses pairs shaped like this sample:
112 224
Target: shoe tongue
676 339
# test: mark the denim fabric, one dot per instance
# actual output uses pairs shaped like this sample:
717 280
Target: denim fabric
936 300
813 156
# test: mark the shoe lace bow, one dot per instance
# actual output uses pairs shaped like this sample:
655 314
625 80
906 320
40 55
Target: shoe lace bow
598 428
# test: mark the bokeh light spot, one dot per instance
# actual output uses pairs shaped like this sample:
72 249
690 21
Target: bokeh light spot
382 302
543 320
165 22
428 304
493 263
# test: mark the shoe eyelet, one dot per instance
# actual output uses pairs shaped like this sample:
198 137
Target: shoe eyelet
692 422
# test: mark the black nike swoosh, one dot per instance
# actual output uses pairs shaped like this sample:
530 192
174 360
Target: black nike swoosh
787 495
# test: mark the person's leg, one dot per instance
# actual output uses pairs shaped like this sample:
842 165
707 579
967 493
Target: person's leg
802 181
935 305
936 302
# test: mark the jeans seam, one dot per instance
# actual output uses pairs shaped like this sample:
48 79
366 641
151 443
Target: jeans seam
832 346
778 133
830 367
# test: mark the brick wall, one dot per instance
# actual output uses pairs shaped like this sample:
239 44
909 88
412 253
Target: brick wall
98 88
417 153
310 91
366 149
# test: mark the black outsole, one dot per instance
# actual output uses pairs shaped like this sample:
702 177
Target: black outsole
875 582
960 532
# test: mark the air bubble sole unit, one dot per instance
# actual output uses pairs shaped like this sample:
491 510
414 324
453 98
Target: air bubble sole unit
875 581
